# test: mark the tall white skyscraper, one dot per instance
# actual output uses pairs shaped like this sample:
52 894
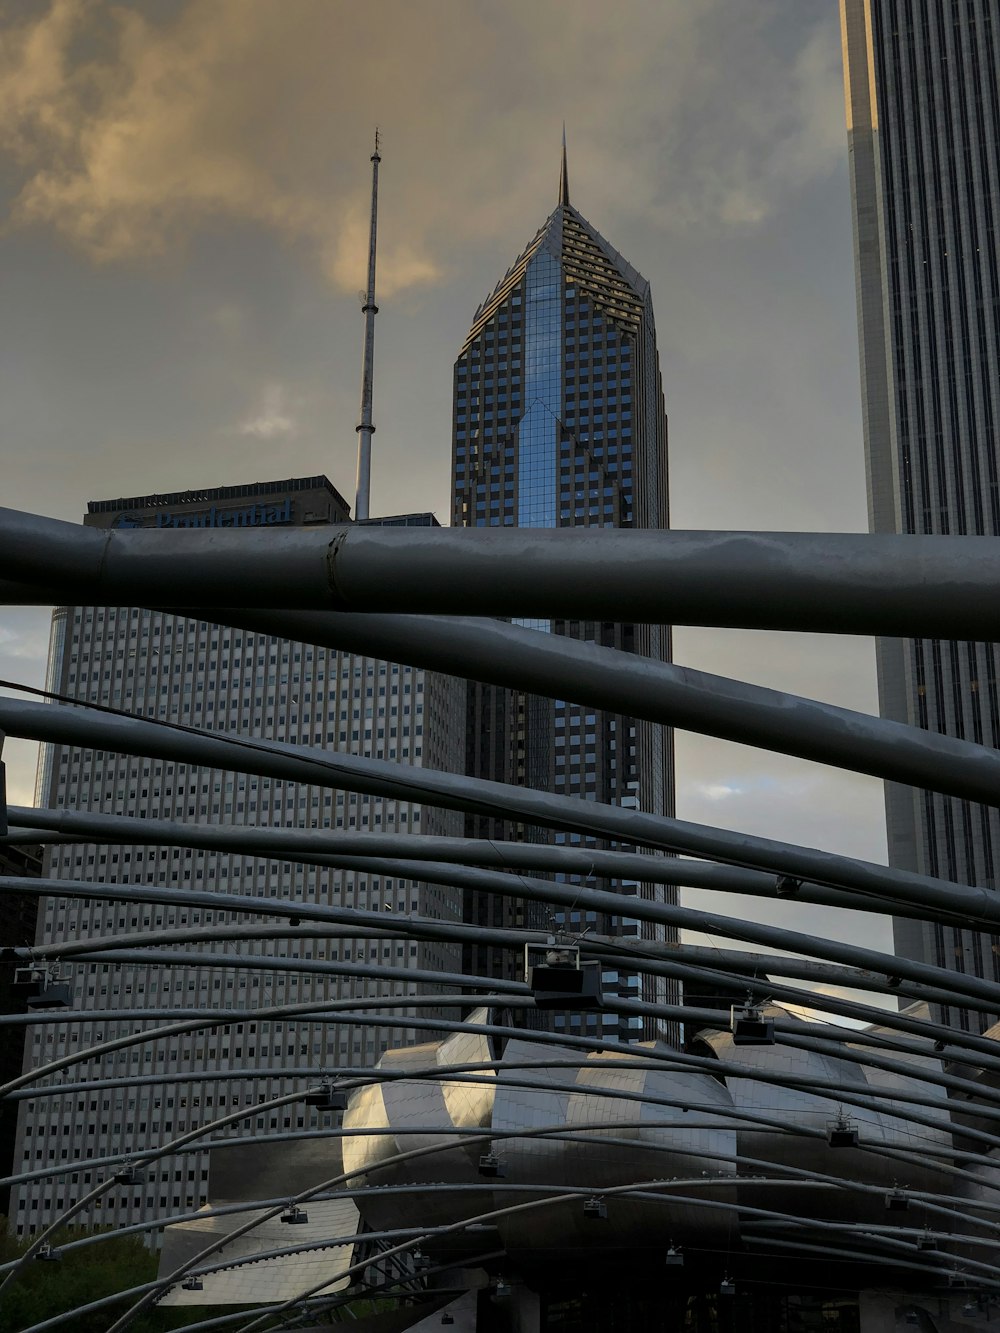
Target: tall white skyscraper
923 110
234 681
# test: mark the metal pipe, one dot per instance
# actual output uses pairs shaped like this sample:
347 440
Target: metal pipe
303 1197
611 1192
650 954
510 994
643 1190
146 1159
516 996
925 586
742 1116
792 1174
671 695
834 1041
559 667
59 827
973 988
339 1011
331 1012
637 1189
129 735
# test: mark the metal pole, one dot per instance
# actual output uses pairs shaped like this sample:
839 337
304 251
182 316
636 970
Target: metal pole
847 583
371 923
675 696
365 428
681 960
341 1011
798 1175
129 735
300 845
580 1135
511 995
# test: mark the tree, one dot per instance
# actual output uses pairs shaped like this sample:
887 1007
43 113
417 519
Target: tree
42 1289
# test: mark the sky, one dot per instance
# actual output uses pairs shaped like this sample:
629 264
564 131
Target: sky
184 188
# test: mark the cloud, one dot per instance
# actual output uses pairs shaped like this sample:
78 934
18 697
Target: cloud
272 417
716 791
25 636
131 129
132 134
345 258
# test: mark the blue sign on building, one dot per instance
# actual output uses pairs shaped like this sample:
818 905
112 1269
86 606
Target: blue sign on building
253 516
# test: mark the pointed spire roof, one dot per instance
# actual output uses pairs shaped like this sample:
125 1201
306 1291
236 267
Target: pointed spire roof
589 261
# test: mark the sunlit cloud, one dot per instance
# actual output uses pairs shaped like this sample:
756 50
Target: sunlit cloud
161 129
132 132
272 417
345 259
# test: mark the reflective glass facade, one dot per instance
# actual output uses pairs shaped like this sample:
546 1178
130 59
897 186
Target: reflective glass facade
559 421
923 104
538 431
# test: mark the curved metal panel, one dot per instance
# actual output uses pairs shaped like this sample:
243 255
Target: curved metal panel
432 1105
736 1142
661 1149
800 1138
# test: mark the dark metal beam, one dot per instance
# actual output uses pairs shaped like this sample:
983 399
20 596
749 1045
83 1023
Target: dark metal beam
327 847
131 735
563 668
940 586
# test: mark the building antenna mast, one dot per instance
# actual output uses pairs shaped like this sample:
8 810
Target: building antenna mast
365 427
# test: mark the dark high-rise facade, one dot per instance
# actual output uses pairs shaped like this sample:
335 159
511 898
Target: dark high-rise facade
559 421
18 917
923 111
240 682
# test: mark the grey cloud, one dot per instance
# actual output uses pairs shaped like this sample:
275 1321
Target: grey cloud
131 132
272 417
213 156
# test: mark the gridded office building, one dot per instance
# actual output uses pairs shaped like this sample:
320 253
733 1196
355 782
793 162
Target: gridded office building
18 917
161 666
923 110
559 421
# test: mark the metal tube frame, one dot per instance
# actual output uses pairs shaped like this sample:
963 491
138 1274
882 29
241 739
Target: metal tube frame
842 583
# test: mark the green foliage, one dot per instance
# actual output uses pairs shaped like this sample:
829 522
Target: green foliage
42 1290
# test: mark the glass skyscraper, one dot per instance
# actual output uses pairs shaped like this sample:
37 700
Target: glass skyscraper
923 112
559 421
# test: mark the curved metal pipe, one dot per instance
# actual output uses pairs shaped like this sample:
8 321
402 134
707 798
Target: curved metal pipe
147 1159
512 994
324 847
637 1189
129 735
740 963
333 1011
974 992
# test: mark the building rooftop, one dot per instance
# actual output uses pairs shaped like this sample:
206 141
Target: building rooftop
210 494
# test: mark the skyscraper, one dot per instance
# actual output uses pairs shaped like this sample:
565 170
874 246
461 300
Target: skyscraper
559 421
18 917
216 678
923 115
